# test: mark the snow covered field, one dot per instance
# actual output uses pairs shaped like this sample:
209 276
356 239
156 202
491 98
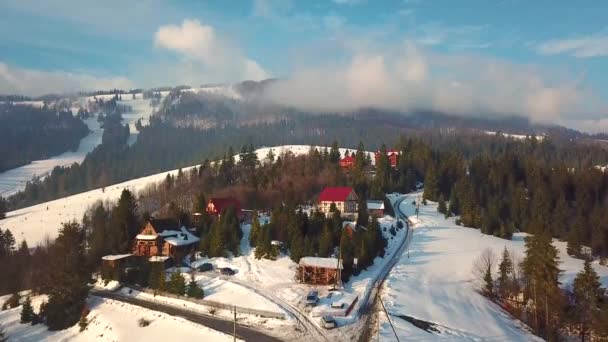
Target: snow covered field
111 321
14 180
433 282
37 222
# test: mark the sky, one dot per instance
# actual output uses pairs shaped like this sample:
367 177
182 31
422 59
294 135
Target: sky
547 60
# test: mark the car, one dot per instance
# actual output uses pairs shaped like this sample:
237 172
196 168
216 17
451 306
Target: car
328 322
312 298
205 267
337 305
227 271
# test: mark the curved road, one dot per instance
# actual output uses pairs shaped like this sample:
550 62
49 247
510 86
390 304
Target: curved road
243 333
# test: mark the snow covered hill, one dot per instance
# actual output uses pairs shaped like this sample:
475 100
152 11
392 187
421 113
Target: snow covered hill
433 282
111 321
38 222
14 180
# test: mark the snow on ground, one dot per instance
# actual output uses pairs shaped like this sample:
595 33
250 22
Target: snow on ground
37 222
111 321
14 180
433 281
514 136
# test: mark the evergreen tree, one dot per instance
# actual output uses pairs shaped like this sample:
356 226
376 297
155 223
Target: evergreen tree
488 286
431 183
195 291
441 207
27 311
296 252
587 297
68 288
177 283
334 154
326 242
454 207
505 271
7 243
255 230
3 207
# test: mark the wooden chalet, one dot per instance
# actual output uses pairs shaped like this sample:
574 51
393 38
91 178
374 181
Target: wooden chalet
216 205
347 162
113 266
319 271
393 157
344 198
164 238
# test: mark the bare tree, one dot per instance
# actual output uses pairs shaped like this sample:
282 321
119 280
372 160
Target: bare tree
483 268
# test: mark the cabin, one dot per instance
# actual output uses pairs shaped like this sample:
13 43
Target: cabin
393 157
217 205
164 237
347 162
344 198
375 208
319 271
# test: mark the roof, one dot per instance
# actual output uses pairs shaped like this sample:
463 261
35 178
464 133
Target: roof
221 203
335 194
375 205
161 225
158 258
348 159
320 262
115 257
179 238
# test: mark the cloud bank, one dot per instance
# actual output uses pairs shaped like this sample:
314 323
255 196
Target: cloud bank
206 55
14 80
409 78
594 45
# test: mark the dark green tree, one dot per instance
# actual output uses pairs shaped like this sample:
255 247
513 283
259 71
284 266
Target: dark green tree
195 291
441 207
27 311
505 278
587 297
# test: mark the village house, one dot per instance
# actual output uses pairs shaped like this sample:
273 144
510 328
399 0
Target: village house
216 205
113 266
344 198
164 238
319 271
375 208
347 162
393 157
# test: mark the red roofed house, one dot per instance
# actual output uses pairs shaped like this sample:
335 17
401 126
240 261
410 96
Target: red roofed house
216 205
344 198
347 162
393 157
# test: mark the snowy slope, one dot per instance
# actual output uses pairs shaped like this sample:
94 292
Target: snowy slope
37 222
435 283
112 321
14 180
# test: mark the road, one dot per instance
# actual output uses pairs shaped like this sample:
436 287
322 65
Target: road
243 333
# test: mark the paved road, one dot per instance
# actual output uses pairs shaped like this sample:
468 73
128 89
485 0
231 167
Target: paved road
243 333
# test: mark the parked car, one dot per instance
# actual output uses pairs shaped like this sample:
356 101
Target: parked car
227 271
328 322
337 305
312 298
205 267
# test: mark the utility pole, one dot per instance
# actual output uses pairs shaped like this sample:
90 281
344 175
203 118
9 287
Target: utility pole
234 329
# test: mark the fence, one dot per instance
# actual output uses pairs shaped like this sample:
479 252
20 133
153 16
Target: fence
213 304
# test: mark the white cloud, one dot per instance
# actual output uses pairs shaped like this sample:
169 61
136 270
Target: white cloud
594 45
348 2
410 78
14 80
207 56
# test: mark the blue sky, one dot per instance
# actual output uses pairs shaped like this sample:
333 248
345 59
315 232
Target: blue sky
559 46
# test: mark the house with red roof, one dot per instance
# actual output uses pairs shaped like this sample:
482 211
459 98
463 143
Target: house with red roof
216 205
344 198
393 157
347 162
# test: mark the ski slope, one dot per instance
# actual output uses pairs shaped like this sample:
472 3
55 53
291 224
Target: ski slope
14 180
36 223
433 282
111 321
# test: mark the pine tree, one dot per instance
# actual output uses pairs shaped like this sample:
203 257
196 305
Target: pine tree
296 252
195 291
255 230
68 288
587 297
326 242
3 207
27 311
505 270
431 183
488 287
177 283
454 207
441 207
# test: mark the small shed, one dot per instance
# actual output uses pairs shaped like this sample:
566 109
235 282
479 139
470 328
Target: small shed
375 208
159 259
113 266
319 271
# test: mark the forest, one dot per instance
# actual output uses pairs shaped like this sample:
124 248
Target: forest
28 133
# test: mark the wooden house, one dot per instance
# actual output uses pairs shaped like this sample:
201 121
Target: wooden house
347 162
164 237
319 271
393 157
375 208
217 205
113 266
